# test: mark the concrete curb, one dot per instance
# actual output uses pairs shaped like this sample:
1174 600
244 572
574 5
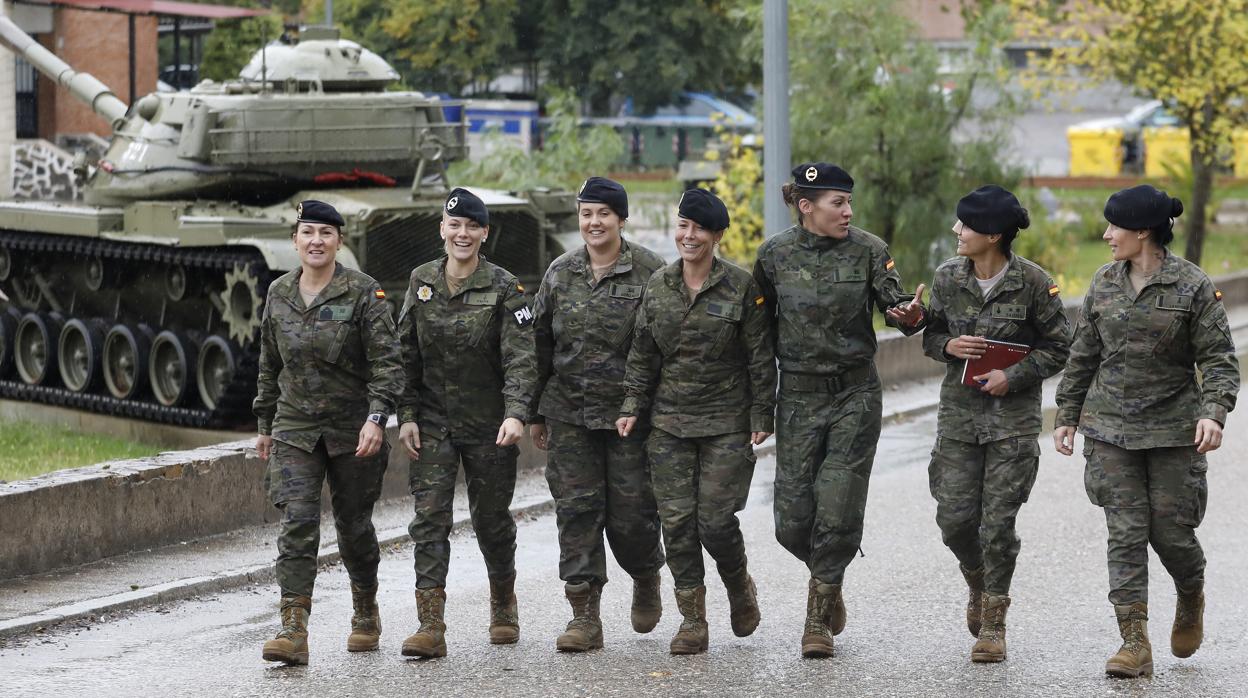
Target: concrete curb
183 589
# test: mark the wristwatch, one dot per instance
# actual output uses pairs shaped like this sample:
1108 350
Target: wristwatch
377 418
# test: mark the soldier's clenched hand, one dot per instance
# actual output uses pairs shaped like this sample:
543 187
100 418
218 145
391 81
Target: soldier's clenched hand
993 382
539 434
409 436
1064 440
1208 435
371 436
624 425
264 446
966 347
758 437
510 432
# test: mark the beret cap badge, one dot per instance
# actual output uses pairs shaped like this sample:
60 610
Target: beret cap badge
811 174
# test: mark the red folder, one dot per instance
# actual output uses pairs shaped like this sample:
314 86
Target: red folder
998 355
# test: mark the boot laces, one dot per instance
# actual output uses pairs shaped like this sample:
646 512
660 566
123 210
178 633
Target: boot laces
290 627
1133 638
817 616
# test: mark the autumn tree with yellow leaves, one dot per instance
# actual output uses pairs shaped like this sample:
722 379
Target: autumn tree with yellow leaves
1191 54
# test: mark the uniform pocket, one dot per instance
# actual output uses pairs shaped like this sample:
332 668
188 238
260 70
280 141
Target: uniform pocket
1195 496
331 336
1093 472
722 341
1026 468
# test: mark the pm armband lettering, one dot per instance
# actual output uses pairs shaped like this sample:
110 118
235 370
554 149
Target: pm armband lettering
519 309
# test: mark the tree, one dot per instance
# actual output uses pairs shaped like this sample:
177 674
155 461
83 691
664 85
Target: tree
1187 53
647 50
232 43
868 95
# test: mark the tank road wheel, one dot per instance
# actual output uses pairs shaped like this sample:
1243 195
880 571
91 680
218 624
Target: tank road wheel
175 282
9 317
125 360
217 361
241 304
78 355
35 347
93 274
6 264
172 368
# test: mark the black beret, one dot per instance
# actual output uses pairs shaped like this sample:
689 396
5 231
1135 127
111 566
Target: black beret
1142 207
600 190
313 211
992 210
704 208
462 203
821 175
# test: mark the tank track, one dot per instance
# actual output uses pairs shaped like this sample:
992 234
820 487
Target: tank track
234 405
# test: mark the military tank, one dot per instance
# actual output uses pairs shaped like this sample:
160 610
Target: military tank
144 299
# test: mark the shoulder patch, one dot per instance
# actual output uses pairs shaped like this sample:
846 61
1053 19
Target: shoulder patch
379 294
520 287
1217 295
1053 289
888 266
759 300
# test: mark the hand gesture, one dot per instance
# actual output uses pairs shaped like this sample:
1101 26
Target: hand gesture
909 314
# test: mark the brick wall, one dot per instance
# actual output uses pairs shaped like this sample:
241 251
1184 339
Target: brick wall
97 43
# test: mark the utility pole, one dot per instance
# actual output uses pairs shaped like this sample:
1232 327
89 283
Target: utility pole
776 151
329 13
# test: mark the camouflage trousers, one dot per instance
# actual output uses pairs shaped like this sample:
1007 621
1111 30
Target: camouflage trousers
294 479
601 483
490 476
825 447
1151 496
979 489
700 485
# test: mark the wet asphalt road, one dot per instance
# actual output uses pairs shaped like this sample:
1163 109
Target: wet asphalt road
906 633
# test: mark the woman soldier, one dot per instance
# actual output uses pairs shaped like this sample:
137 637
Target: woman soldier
820 279
702 365
584 313
1150 320
467 337
330 375
986 454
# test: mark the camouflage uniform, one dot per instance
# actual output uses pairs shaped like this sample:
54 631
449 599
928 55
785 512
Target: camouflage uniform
706 373
1131 388
469 364
323 370
599 480
986 455
819 293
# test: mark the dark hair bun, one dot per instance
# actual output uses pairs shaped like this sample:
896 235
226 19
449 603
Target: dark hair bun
1176 207
1024 218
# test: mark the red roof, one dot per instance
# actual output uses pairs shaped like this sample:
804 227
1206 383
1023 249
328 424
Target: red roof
158 7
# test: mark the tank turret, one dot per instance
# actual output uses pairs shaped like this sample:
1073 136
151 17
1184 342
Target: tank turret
145 299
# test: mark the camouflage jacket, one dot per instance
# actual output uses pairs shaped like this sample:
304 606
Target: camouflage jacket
1131 377
1023 308
469 358
702 368
325 368
584 330
819 293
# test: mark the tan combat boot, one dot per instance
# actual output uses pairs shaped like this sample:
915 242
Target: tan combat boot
584 631
990 647
693 636
743 602
1135 657
647 603
974 599
290 646
504 613
1189 623
366 621
817 635
430 639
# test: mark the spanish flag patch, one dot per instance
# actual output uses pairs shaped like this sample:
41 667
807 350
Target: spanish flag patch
1217 294
520 287
1052 290
759 301
888 266
380 294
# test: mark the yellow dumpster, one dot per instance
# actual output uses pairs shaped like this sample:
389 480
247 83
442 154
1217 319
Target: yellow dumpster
1240 162
1166 145
1094 152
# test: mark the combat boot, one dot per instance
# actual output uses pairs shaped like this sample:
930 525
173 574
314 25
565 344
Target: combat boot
1135 657
366 621
990 647
290 646
430 639
1189 623
742 602
647 603
974 599
817 635
693 636
584 631
504 613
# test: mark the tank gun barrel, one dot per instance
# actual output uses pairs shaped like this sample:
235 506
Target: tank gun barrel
84 86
